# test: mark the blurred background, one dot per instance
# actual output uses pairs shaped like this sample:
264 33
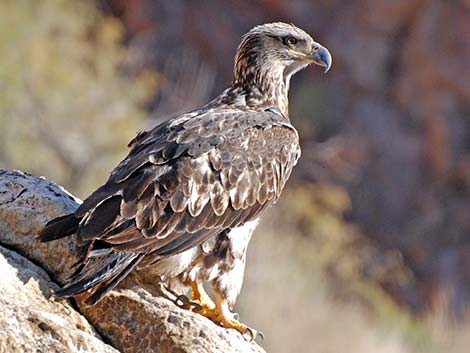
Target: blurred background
368 250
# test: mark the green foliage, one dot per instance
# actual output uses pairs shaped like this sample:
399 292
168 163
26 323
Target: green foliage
66 110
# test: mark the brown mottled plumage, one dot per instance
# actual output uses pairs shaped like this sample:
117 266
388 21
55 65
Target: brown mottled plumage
187 198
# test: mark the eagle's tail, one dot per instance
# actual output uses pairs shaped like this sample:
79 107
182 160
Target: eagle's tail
100 269
102 273
59 227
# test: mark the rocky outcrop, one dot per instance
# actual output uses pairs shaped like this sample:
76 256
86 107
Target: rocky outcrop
29 322
131 318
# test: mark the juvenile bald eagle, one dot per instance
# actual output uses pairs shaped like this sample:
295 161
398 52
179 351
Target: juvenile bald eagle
185 201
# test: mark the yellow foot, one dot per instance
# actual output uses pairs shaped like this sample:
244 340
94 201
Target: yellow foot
202 306
227 320
240 327
200 297
219 312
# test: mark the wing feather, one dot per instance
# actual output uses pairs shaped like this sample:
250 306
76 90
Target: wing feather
186 181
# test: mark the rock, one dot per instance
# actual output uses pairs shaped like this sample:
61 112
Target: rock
130 317
29 322
140 322
26 204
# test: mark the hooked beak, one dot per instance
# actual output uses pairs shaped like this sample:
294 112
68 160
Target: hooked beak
321 57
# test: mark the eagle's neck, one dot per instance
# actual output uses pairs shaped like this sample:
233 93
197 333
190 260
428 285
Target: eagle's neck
258 89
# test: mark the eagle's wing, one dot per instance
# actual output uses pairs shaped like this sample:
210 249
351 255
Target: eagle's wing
184 181
190 178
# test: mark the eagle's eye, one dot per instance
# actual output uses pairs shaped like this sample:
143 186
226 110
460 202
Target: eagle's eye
291 40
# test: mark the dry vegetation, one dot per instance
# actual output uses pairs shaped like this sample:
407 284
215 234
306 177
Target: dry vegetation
65 111
305 286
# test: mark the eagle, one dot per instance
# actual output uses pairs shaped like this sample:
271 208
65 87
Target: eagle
184 202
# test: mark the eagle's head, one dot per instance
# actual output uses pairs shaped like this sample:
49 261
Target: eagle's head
277 49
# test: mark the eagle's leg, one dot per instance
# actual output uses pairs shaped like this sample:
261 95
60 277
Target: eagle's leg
201 297
222 315
180 300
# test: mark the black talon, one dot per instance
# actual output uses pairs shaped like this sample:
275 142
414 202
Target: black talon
252 334
196 306
182 301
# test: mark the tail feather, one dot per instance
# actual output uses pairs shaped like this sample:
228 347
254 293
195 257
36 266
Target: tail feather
114 269
104 289
59 227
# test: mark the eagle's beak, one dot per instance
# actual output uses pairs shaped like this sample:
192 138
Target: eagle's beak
321 57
